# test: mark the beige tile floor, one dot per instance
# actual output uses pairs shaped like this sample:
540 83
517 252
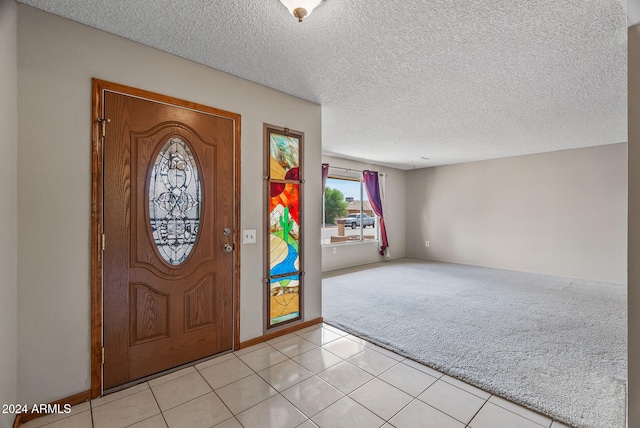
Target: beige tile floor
316 377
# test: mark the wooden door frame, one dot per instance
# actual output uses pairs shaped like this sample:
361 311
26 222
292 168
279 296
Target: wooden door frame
97 201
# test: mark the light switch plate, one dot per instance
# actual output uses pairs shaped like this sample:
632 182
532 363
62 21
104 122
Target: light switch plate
249 236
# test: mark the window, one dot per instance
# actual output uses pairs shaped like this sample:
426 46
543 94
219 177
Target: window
284 187
347 214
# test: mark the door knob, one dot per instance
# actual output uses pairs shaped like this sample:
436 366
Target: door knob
227 248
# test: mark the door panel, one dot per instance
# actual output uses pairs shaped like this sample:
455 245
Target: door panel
199 309
168 196
149 312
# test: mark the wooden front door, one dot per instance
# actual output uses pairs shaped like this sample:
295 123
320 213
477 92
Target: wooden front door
168 219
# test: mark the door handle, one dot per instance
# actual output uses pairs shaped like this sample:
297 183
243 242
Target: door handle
227 248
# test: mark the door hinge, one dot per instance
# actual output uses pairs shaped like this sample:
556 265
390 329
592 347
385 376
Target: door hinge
103 356
104 122
103 237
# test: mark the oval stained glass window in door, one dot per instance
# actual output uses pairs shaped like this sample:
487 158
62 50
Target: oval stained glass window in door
175 199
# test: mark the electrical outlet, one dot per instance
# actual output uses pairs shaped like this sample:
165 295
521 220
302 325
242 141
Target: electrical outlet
426 243
249 236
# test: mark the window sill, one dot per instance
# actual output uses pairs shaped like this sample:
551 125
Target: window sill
351 242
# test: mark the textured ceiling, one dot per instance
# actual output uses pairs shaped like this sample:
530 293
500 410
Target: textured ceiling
453 81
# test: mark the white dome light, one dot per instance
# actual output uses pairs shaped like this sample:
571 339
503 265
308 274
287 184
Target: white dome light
301 8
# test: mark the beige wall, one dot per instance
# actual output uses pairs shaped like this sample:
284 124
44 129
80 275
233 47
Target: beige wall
562 213
633 287
8 211
56 60
353 254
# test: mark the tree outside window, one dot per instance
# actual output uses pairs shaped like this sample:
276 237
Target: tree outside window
335 206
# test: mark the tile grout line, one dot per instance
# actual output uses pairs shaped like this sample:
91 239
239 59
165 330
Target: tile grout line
157 404
416 398
308 418
234 415
468 424
517 414
217 395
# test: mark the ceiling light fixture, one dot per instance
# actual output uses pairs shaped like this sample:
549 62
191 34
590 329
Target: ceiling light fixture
301 8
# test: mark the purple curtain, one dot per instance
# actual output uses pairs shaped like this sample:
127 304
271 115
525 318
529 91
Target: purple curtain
373 191
325 174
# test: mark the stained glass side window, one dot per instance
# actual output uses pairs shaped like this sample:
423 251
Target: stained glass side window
284 243
175 199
